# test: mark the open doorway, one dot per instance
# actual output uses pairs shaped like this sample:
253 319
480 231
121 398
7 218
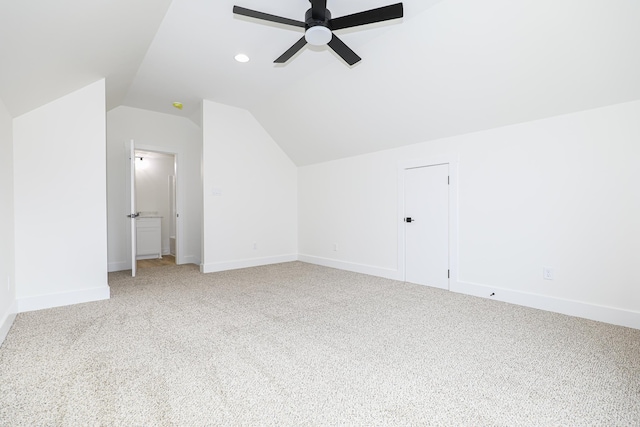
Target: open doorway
156 204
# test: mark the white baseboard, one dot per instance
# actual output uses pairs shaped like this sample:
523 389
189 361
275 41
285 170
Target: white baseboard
351 266
118 266
124 265
600 313
41 302
7 321
148 256
190 259
615 316
245 263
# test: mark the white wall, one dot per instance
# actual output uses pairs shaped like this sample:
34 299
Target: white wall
60 204
152 189
560 192
160 132
7 275
249 193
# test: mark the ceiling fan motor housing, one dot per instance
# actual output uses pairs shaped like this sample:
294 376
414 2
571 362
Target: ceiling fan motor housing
310 21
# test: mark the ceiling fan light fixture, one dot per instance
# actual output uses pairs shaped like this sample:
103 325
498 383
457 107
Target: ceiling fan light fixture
318 35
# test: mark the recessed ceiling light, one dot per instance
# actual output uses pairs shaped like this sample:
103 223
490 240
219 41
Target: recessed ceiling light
241 57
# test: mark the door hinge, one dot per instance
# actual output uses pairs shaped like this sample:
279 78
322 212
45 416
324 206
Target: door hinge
448 182
448 274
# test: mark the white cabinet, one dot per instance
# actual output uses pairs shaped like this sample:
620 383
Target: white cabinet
148 237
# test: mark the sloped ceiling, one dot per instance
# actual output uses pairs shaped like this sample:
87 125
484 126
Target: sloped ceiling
448 67
51 48
462 66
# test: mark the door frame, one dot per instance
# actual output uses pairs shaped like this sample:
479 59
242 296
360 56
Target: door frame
179 196
131 177
452 161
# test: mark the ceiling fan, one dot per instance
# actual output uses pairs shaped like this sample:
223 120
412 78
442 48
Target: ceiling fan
319 26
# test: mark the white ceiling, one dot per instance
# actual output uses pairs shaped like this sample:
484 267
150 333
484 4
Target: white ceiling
448 67
50 48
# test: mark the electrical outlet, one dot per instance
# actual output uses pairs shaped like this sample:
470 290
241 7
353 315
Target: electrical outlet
547 273
255 245
335 247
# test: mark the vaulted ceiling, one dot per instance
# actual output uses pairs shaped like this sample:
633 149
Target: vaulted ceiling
448 67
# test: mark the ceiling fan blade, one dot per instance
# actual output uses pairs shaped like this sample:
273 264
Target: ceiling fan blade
291 51
380 14
343 50
266 17
319 9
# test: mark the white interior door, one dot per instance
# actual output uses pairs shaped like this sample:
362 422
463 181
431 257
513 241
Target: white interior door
172 213
133 214
426 217
175 207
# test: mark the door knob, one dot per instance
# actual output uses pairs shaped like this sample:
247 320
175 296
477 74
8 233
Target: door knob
409 219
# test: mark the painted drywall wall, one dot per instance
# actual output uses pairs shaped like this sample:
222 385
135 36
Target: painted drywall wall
7 276
60 203
160 132
559 192
250 200
152 189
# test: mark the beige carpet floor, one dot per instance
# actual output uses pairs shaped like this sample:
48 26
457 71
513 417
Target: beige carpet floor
298 344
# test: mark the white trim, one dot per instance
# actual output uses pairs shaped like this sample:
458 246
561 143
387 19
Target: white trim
452 161
180 203
150 256
60 299
600 313
191 259
125 265
131 197
118 266
371 270
7 322
246 263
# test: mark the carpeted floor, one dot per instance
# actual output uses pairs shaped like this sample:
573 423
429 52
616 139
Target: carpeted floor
298 344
